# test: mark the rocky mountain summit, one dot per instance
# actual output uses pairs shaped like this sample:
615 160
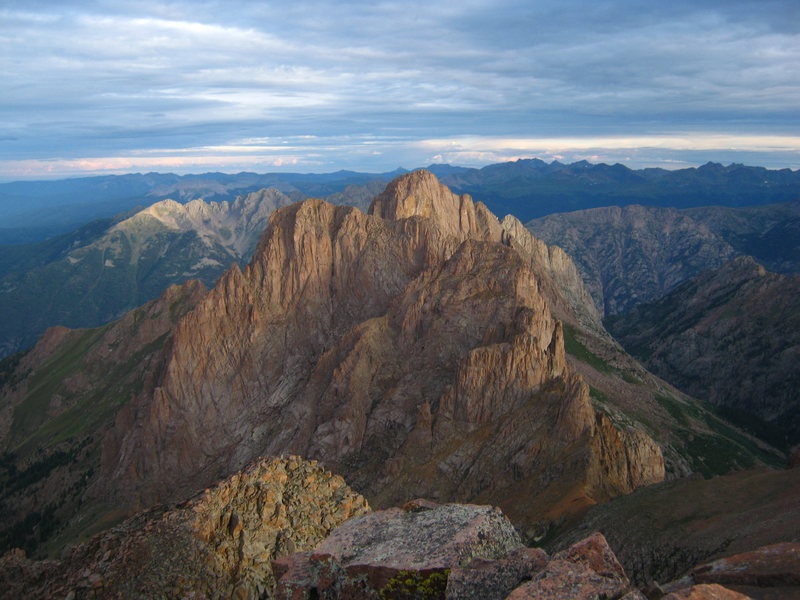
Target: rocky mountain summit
418 350
410 348
731 336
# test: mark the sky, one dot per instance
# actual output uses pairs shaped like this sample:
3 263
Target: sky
102 87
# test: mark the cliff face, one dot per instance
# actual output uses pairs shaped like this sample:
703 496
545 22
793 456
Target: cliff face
410 349
416 353
730 336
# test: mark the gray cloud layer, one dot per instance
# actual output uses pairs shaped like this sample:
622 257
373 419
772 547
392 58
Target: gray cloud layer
248 82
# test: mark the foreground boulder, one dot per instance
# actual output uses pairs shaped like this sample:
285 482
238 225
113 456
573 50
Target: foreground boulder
485 579
398 552
219 544
587 570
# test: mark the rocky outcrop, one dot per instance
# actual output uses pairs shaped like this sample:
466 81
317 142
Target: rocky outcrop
731 336
415 353
568 296
586 570
383 553
219 544
451 551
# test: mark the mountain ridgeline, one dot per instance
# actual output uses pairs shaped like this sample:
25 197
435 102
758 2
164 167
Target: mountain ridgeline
526 188
423 349
34 210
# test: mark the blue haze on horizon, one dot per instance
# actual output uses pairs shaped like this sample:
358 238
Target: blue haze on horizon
95 87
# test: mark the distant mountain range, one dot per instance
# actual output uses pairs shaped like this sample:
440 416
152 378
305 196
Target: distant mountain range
633 254
34 210
103 270
528 189
532 188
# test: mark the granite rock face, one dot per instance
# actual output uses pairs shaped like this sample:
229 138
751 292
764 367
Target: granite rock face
219 544
410 348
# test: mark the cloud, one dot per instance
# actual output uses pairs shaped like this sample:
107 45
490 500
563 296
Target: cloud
107 78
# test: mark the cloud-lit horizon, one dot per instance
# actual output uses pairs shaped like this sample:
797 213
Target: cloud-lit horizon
110 87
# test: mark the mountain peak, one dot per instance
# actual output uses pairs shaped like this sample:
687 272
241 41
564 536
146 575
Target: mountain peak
421 194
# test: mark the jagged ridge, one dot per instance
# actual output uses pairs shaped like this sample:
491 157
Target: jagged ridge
415 353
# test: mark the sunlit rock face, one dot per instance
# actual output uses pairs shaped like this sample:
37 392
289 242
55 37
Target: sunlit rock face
411 348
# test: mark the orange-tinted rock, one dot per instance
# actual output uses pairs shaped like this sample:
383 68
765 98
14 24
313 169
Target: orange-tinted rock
706 592
769 566
595 552
587 570
564 579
